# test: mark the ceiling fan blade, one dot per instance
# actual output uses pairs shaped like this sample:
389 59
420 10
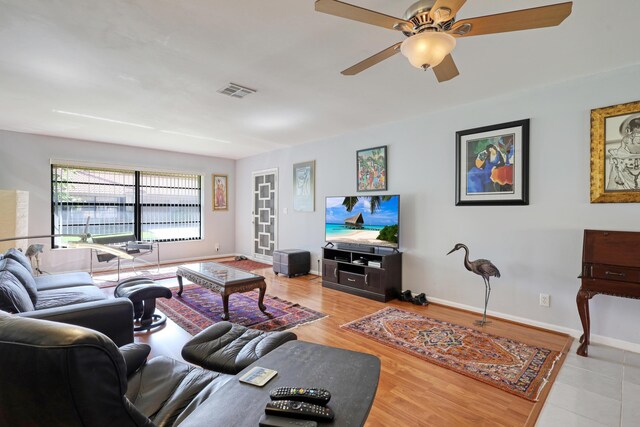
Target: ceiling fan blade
356 13
439 10
537 17
372 60
446 70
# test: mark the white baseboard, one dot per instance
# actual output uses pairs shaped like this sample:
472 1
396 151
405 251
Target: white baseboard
575 333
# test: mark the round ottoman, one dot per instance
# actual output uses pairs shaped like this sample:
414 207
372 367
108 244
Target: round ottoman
143 292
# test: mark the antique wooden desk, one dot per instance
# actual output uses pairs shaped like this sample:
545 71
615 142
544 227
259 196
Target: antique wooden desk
610 266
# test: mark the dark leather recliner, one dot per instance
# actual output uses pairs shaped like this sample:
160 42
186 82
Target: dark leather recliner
54 374
61 375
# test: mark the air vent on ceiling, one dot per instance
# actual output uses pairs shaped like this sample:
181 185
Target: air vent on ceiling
236 91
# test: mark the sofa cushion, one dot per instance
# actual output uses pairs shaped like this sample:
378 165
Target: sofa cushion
47 282
16 255
13 296
21 273
68 296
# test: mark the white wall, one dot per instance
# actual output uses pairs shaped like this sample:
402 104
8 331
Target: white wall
25 165
538 248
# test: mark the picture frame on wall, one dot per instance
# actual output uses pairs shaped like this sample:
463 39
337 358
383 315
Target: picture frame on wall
371 169
304 176
220 192
492 165
615 154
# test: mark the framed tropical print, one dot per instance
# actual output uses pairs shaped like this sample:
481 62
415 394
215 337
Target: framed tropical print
492 165
371 166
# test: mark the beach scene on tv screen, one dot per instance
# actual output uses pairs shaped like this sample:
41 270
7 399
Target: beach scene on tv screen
364 220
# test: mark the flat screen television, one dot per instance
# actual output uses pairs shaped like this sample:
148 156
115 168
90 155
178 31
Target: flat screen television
363 220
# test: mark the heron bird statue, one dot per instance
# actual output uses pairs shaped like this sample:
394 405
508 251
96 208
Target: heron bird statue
481 267
32 252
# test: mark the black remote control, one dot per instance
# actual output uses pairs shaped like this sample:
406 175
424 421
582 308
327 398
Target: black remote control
317 396
296 409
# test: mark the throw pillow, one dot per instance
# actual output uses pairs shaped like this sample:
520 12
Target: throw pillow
15 254
13 296
21 273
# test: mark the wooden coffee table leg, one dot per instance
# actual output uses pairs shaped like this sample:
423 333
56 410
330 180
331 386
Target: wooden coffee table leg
225 306
263 289
179 283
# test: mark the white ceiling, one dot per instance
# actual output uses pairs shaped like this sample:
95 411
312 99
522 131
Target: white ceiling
159 63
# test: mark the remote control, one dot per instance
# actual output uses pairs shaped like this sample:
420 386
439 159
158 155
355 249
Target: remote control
273 421
296 409
317 396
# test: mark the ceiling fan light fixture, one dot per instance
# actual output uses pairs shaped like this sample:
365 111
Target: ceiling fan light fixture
427 49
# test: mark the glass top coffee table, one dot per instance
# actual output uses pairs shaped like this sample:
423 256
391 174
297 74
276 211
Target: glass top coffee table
222 279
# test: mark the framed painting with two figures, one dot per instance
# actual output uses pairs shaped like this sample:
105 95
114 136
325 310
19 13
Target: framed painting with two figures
492 165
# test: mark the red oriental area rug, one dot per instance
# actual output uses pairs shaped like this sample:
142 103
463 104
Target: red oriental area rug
199 308
510 365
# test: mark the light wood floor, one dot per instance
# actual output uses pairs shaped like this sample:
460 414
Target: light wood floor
411 392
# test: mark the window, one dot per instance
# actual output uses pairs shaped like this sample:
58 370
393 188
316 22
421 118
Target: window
152 206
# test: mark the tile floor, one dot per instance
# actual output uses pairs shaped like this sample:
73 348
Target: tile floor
601 390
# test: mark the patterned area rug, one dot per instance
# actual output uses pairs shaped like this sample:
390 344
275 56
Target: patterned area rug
246 264
199 308
501 362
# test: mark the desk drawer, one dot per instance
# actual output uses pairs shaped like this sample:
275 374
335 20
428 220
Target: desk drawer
352 279
612 272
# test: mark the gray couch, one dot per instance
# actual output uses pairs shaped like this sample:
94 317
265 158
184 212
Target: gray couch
68 297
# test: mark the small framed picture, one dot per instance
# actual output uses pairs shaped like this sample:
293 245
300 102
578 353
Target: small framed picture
220 196
492 165
371 167
615 153
304 186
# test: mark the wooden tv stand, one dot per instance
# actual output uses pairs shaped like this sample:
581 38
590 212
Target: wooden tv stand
341 270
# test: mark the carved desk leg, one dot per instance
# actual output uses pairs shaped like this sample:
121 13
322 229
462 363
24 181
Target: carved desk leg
582 299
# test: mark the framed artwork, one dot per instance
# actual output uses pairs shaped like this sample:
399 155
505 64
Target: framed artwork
492 165
371 166
220 190
304 176
615 154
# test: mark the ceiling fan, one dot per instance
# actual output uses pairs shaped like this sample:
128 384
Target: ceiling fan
432 29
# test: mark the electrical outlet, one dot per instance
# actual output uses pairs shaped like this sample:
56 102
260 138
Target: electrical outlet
217 247
545 300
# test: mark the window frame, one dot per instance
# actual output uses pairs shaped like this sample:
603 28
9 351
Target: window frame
137 203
